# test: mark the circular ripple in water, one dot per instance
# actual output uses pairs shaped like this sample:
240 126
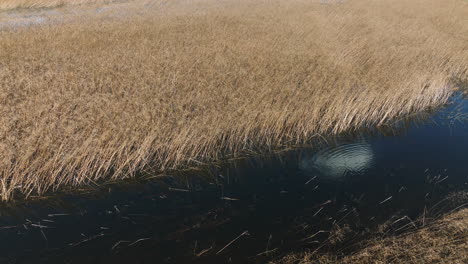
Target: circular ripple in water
337 162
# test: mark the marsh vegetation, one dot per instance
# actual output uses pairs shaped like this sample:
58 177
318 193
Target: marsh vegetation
441 241
358 109
360 189
185 83
14 4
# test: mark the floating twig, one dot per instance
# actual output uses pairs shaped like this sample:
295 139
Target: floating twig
312 236
204 251
45 237
229 198
40 226
442 180
326 202
316 213
311 179
7 227
245 233
52 215
178 190
386 200
118 243
86 239
139 240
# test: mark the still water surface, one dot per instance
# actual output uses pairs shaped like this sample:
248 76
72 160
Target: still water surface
236 212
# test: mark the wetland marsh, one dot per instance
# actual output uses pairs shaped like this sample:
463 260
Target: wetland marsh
206 131
174 84
272 204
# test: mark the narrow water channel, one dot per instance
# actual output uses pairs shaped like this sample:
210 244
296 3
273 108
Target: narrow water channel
250 210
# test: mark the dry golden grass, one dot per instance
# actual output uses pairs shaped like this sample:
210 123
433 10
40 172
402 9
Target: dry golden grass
443 241
189 81
13 4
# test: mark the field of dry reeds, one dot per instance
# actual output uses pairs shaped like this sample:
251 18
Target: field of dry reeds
184 82
14 4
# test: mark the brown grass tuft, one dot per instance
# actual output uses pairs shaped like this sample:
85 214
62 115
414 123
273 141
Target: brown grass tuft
443 241
188 81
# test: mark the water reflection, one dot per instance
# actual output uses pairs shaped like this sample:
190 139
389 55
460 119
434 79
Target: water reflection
337 162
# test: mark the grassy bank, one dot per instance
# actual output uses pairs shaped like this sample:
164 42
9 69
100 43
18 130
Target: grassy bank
14 4
186 82
442 241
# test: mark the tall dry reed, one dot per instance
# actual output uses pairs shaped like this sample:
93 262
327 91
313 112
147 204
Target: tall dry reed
189 81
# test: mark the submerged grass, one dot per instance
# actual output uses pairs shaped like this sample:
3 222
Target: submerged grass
188 81
441 241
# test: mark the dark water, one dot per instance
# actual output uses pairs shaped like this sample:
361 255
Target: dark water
272 203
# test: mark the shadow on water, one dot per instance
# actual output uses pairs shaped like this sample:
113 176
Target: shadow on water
247 211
